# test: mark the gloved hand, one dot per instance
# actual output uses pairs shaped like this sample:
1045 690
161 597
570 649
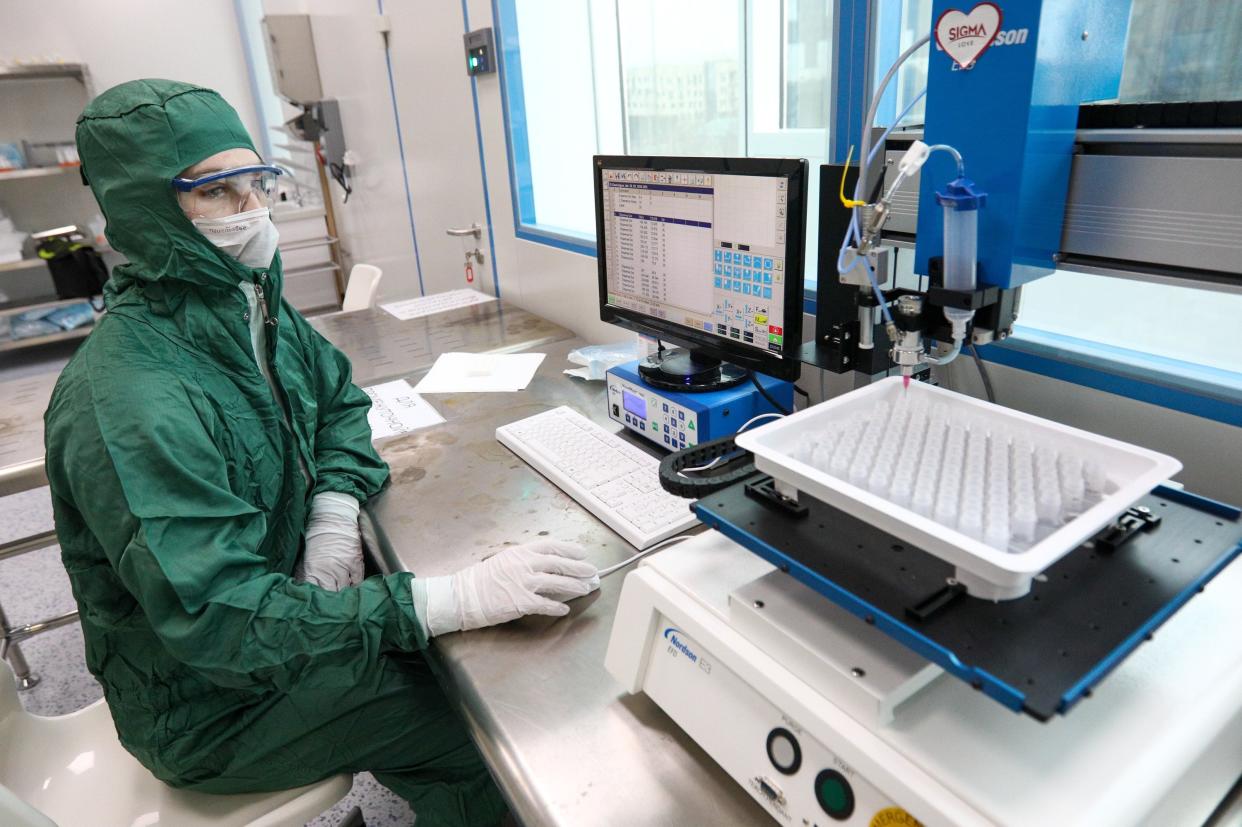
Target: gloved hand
520 580
333 555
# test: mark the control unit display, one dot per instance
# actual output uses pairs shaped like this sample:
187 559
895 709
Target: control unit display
649 414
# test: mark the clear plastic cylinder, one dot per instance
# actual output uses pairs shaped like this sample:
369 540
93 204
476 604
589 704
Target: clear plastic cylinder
961 246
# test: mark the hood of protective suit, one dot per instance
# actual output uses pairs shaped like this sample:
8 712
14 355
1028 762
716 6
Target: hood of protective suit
133 140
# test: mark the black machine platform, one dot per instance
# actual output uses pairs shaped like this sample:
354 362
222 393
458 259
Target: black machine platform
1038 654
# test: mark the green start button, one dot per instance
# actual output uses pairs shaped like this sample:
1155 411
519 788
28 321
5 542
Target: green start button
834 794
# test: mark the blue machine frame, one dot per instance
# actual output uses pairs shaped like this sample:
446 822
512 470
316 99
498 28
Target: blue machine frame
909 635
1012 114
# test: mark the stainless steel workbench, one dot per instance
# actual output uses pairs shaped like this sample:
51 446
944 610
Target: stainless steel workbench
21 431
379 345
564 741
383 347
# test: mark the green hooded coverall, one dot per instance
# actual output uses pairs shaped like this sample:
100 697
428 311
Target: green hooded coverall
180 507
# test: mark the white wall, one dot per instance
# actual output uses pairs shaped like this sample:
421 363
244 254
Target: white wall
556 284
442 155
437 121
120 40
375 225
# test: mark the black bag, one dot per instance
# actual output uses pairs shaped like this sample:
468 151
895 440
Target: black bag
77 270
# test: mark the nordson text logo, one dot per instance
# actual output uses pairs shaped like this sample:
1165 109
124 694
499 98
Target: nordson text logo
671 635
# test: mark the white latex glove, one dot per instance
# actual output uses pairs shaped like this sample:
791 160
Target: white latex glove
333 555
529 579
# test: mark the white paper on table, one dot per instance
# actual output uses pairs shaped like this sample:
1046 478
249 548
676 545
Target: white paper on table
480 373
437 303
397 409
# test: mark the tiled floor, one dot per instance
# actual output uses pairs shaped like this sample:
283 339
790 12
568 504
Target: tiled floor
34 587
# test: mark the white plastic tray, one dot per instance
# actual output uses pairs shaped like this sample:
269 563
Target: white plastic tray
986 572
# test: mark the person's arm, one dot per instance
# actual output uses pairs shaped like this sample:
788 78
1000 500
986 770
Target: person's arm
348 470
142 469
345 460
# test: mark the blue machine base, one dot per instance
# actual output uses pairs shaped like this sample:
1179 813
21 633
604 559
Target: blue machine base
1039 654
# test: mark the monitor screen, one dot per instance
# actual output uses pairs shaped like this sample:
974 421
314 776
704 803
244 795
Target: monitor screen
711 254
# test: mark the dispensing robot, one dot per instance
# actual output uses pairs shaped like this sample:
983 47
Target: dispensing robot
847 664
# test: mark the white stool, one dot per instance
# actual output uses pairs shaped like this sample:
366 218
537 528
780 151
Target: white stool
364 280
71 770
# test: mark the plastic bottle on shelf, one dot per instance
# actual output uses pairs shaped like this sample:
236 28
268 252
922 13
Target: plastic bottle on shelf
996 499
923 499
1022 514
1048 504
1073 484
974 474
906 472
948 489
882 472
868 446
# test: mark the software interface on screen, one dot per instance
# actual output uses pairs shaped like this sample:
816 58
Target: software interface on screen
699 249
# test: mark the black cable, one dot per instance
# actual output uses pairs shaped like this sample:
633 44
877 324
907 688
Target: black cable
764 393
983 374
738 465
803 394
338 173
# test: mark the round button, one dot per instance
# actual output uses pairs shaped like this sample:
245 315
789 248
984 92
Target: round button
834 794
783 751
894 817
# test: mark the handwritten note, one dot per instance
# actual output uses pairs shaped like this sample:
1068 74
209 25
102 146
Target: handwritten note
397 409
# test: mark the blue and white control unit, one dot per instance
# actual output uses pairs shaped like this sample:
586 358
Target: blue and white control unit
680 420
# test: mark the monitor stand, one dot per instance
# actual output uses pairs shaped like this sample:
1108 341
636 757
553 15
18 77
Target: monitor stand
679 369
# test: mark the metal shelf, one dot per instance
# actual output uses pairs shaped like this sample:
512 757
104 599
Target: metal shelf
35 341
35 172
42 71
24 264
7 313
308 243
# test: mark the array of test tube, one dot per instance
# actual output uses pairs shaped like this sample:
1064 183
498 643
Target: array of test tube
996 482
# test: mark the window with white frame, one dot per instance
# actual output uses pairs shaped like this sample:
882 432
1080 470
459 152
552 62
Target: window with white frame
714 78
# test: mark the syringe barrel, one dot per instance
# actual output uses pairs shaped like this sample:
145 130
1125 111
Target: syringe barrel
961 229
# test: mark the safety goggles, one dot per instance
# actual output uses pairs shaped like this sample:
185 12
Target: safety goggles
227 192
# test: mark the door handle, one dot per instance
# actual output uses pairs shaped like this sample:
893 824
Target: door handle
474 230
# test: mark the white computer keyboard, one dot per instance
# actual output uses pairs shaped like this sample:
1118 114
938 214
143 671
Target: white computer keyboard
614 480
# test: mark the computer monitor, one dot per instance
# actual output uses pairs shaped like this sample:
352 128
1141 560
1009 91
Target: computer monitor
706 253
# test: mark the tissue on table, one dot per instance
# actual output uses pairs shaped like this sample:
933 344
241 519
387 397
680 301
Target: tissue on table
599 358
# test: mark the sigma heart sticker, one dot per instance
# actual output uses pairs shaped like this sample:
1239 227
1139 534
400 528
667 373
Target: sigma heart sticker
964 37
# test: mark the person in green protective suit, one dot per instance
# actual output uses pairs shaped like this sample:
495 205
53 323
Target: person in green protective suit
207 453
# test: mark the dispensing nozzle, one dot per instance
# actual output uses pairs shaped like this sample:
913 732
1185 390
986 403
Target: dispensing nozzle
906 334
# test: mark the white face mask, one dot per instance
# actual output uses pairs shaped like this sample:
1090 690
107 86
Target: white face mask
250 237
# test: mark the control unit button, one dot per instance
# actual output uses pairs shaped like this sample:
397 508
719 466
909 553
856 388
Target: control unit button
834 794
783 751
